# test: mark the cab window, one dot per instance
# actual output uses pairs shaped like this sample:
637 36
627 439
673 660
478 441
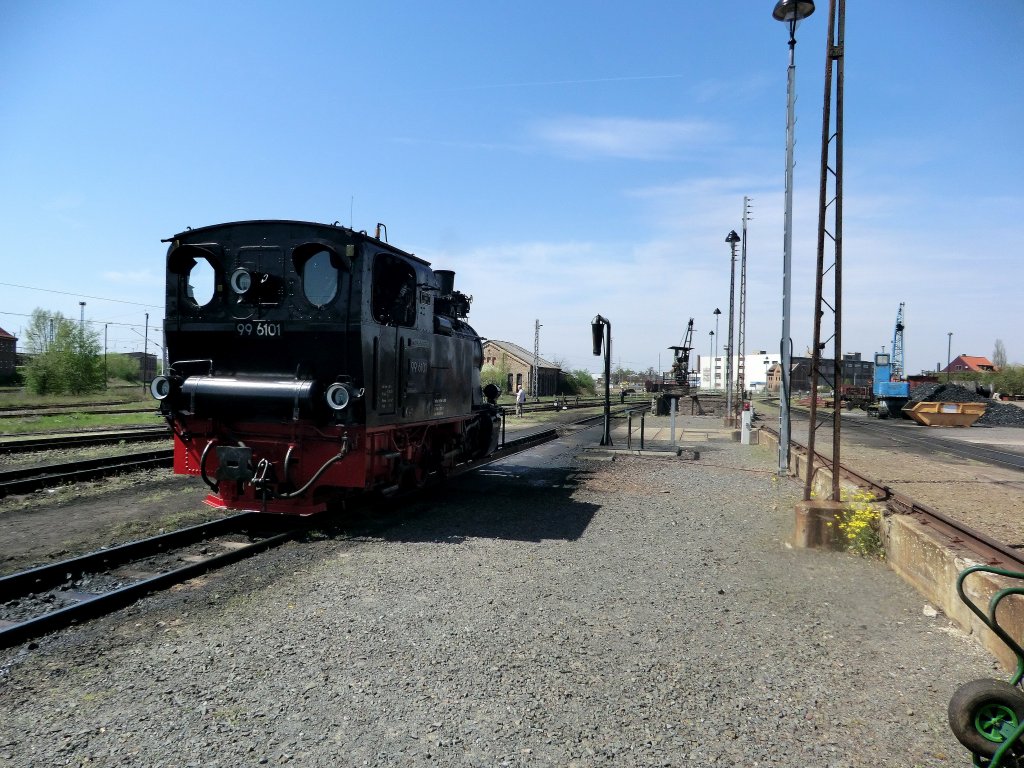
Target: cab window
319 270
394 291
196 273
319 278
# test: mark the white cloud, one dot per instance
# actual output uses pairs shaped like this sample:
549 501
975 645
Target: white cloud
628 138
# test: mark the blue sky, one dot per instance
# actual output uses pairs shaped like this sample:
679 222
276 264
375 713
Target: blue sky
565 159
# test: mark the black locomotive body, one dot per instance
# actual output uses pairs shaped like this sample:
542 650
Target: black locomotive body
327 362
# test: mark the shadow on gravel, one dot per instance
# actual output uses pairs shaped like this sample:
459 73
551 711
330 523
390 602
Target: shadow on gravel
516 503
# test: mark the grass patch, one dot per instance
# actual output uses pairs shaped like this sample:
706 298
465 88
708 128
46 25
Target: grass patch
19 398
73 422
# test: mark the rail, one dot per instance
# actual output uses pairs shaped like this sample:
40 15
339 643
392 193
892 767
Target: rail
82 440
58 580
28 479
956 533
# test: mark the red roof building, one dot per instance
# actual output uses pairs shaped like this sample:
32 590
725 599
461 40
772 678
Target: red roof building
8 345
963 363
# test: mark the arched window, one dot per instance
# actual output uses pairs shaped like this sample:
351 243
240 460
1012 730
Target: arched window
196 271
319 270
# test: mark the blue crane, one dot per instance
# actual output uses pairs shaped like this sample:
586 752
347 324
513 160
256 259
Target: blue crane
891 389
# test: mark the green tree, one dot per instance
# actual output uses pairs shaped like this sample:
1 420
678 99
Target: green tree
621 375
123 367
496 374
65 356
490 374
578 382
1009 380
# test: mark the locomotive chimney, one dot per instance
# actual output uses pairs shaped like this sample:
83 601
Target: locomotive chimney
445 281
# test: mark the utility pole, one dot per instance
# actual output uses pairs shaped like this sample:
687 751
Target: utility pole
741 359
831 168
790 13
732 238
536 358
145 354
949 354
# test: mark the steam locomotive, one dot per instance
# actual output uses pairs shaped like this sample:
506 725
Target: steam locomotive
310 362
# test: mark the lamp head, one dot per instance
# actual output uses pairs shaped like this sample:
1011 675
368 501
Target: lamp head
793 10
732 238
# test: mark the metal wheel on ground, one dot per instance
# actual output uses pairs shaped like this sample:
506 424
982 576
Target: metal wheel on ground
983 714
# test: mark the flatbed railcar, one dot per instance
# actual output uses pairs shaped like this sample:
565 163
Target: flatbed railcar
311 362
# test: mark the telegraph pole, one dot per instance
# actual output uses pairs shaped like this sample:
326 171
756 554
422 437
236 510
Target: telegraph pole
740 360
535 379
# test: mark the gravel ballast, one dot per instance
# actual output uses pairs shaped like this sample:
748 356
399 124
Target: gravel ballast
562 610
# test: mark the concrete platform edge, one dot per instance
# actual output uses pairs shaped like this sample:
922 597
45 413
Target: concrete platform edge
931 568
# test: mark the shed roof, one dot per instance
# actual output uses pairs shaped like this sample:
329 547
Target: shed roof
5 335
973 363
522 354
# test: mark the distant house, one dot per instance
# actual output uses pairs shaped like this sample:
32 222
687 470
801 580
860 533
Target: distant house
517 362
147 364
855 372
8 353
962 363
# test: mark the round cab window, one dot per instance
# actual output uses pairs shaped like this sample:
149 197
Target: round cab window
201 282
319 279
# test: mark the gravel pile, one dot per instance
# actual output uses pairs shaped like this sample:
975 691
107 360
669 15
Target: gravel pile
944 393
996 415
563 610
1002 415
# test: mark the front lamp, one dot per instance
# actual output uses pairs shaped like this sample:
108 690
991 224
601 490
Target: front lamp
241 281
160 387
337 397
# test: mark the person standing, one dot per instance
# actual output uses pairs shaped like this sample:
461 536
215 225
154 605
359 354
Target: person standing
520 399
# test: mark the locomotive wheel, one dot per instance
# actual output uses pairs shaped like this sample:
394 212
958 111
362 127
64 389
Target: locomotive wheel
982 713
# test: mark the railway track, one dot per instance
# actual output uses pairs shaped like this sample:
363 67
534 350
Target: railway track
84 440
29 479
954 532
904 434
58 595
55 596
28 414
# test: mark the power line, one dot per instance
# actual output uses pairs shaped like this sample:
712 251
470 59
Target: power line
80 295
87 320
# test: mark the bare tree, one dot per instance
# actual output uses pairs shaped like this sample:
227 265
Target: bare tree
999 355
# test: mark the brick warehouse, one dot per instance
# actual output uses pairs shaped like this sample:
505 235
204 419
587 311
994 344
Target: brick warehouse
8 344
517 362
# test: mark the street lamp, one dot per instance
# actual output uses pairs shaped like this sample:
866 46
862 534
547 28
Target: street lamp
949 354
790 12
711 358
732 238
717 313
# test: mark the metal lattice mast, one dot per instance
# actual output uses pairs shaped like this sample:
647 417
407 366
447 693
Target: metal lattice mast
535 379
831 169
742 339
897 347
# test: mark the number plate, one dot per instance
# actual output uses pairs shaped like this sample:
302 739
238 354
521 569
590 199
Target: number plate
261 329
